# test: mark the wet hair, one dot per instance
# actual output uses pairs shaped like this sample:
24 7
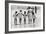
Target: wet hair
35 9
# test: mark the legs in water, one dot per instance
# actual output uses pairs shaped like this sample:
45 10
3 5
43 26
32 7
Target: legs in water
29 21
15 21
24 20
33 20
20 20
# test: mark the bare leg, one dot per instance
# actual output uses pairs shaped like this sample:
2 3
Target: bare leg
20 20
24 20
30 21
15 21
33 20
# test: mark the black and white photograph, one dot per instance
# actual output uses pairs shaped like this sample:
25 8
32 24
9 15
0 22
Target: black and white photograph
25 16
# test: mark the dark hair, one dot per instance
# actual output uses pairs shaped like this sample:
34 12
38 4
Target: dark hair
15 12
24 12
32 13
20 10
28 11
28 8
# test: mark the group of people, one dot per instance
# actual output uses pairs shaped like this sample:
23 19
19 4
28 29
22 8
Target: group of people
30 14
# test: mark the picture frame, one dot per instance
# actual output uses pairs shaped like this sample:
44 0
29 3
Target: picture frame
9 3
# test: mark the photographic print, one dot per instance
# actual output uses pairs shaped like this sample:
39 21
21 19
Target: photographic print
24 16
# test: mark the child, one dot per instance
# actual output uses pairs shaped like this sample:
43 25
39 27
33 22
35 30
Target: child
15 18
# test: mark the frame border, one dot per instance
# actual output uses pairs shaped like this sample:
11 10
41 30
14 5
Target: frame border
7 14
